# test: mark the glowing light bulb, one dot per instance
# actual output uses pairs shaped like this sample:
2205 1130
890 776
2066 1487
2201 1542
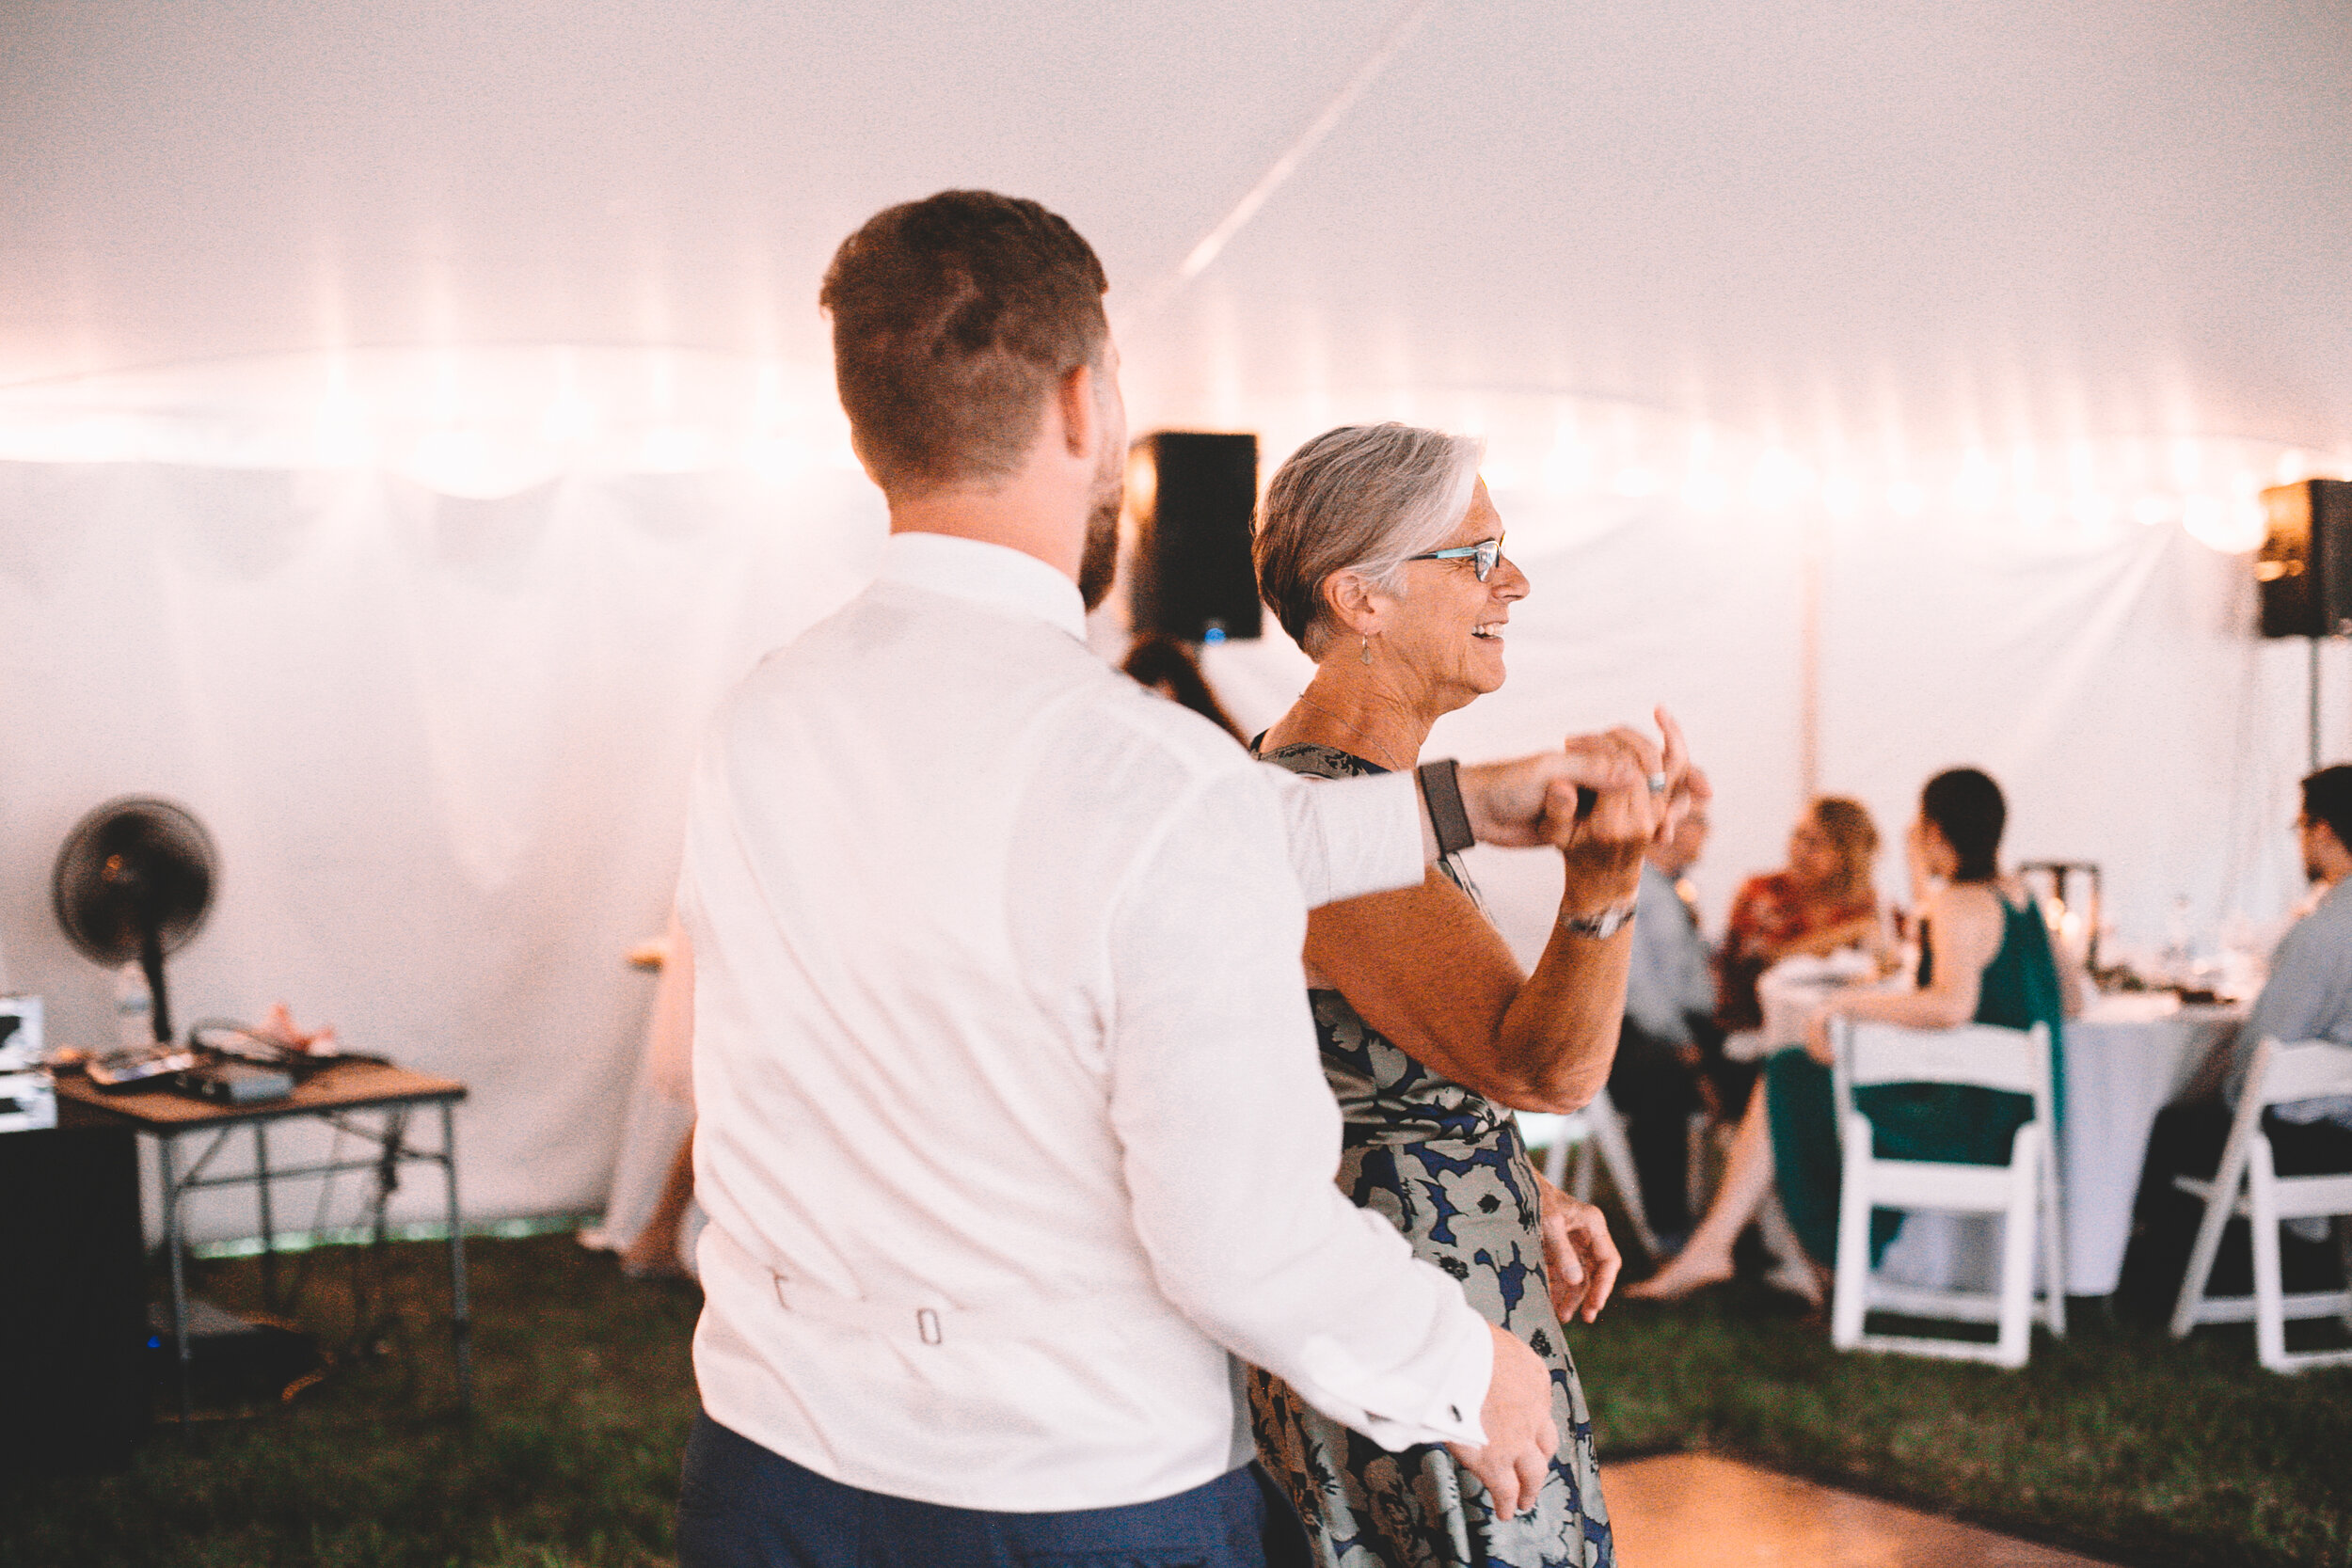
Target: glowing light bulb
2230 527
2093 510
675 449
569 420
1705 492
1779 479
1569 467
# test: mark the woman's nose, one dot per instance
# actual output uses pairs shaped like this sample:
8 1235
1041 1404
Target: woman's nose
1508 582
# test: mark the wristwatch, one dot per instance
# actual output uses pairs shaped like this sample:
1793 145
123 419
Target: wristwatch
1603 924
1442 793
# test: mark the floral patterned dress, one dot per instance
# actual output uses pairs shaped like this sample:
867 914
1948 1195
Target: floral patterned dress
1446 1165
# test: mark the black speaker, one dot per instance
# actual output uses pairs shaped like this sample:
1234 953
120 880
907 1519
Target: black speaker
1193 580
2305 567
73 1326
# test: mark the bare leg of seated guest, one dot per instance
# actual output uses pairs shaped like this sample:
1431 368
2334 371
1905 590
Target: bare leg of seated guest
1748 1178
655 1251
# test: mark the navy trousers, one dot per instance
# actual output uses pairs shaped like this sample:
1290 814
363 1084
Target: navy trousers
740 1506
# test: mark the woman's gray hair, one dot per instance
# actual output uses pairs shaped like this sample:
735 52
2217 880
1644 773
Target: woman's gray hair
1361 499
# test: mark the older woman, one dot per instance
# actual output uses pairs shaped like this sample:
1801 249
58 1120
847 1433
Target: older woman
1379 550
1985 958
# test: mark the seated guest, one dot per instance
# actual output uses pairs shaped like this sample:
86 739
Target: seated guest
1985 958
2308 997
1822 901
1669 1023
1164 665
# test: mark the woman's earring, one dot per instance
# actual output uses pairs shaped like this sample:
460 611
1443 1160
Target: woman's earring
1367 650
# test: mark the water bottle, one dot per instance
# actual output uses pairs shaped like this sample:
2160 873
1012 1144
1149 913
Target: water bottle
2176 942
134 1006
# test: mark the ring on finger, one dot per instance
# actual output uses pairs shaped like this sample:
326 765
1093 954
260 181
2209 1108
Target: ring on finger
1658 783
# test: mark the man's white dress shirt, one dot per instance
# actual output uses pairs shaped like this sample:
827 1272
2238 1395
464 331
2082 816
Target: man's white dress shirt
1013 1123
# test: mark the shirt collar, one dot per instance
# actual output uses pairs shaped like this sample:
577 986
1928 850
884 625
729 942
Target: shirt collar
995 576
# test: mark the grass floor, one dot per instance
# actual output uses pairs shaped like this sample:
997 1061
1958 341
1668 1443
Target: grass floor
2115 1442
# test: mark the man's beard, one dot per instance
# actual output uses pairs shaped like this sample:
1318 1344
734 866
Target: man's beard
1098 566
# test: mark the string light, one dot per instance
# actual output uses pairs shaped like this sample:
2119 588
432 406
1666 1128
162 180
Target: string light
482 421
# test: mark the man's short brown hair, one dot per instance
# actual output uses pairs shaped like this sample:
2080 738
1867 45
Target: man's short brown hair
954 318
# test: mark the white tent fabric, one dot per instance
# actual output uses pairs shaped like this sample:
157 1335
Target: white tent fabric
442 746
1873 234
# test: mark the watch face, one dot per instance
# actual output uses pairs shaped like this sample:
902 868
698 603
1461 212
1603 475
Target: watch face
1601 927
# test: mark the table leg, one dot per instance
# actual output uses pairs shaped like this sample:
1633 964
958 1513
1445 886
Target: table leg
165 1146
394 1149
461 1316
269 1229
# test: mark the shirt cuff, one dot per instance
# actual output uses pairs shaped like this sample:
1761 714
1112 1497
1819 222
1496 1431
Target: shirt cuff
1398 1410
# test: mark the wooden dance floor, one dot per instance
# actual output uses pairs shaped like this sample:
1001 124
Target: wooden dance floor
1694 1511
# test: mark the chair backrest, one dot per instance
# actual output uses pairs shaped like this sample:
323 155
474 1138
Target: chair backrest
1982 1054
2297 1069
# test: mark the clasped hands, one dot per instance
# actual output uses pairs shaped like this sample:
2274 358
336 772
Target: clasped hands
1537 800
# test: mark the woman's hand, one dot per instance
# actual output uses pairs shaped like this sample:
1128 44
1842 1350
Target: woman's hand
1581 1259
1816 1040
1604 847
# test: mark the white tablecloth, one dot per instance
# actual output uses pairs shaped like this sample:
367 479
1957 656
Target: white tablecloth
2126 1057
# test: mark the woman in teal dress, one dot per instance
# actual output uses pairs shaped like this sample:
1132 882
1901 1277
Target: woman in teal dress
1379 550
1985 958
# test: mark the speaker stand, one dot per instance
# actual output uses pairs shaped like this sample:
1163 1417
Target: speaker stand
2314 705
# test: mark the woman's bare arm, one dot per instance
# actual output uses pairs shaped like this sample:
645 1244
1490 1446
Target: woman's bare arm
1964 932
1424 969
1856 932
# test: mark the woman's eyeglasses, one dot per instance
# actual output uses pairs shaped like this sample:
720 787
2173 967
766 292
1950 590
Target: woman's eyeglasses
1485 554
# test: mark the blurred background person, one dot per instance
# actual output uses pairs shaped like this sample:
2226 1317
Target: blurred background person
1823 900
1658 1079
650 1218
2308 996
1164 665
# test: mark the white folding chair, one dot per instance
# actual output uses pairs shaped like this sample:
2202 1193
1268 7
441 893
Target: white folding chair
1596 1135
2246 1184
2023 1192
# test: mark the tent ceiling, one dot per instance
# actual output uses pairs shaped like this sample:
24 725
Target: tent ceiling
1827 223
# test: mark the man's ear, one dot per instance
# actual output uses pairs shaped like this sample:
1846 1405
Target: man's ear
1081 418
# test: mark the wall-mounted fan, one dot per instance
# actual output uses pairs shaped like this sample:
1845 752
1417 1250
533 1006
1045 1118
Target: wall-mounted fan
133 881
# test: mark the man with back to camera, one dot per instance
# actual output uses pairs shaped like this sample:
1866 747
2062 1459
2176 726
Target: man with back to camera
2308 996
1012 1124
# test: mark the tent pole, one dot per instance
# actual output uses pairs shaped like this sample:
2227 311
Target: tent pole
1811 569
